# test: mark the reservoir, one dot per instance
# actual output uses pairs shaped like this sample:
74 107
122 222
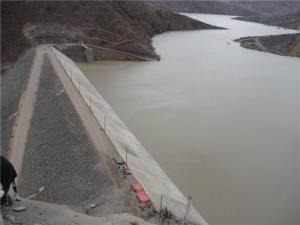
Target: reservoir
222 121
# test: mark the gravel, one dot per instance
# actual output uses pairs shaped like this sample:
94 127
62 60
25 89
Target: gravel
59 154
38 213
13 84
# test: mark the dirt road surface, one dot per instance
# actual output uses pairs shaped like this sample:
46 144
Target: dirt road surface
26 107
51 214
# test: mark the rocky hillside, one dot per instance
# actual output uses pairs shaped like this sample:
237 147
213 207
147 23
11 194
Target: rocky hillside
213 7
230 7
125 26
277 13
291 21
285 44
269 7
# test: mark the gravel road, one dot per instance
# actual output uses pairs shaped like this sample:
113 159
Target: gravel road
13 84
59 154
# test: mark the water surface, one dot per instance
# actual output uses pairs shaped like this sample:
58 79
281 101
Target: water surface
221 120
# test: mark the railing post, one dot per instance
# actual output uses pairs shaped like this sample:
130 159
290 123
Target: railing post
187 209
160 207
90 102
126 155
104 124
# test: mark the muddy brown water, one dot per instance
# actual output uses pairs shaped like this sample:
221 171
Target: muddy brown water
221 120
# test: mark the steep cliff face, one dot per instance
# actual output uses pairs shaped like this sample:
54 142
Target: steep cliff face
123 25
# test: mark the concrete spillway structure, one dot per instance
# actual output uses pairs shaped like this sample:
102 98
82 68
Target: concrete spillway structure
144 168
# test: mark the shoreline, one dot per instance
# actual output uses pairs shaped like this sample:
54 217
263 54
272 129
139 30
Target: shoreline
282 44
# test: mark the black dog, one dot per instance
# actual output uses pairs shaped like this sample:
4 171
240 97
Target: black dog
8 176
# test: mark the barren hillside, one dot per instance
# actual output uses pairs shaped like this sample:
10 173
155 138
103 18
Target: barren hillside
269 7
276 13
214 7
233 7
126 26
284 44
291 21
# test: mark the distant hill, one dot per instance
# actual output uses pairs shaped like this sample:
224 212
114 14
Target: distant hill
291 21
277 13
234 7
126 26
269 7
213 7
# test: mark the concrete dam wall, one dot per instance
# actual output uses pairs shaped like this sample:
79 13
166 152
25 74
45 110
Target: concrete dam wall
144 168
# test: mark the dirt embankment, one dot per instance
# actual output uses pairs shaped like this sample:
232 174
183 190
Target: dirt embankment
125 26
285 44
52 214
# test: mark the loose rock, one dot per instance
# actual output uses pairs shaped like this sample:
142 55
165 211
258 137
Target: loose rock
19 209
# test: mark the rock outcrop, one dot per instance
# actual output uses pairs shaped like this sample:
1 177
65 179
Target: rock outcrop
285 44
